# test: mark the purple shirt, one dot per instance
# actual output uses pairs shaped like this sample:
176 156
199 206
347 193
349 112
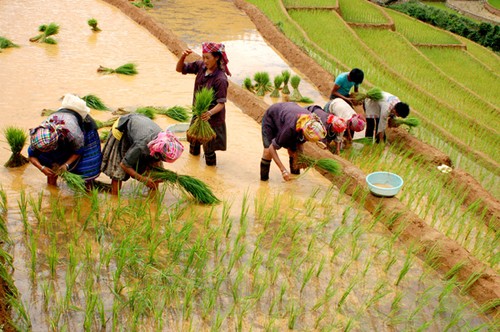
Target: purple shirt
279 126
216 80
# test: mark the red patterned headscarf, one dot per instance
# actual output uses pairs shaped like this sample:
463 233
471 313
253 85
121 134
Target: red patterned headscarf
209 47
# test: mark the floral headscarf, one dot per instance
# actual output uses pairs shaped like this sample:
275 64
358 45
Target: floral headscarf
311 127
166 146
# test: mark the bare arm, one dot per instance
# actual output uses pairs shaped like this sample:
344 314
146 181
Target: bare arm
216 109
146 180
45 170
180 63
336 93
277 160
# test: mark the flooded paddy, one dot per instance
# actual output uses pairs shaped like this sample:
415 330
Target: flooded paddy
271 256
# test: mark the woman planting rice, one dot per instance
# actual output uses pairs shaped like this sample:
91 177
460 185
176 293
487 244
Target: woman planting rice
135 146
355 122
287 125
335 126
67 141
380 112
210 73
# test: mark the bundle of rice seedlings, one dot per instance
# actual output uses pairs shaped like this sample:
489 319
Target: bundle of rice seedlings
409 121
200 131
262 83
247 84
295 81
107 123
176 112
148 111
74 181
278 80
95 102
373 94
16 138
306 100
47 112
199 190
93 24
286 78
103 136
46 31
126 69
5 43
327 164
143 4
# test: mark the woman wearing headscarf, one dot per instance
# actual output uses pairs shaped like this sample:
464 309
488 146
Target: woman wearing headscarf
211 72
289 126
135 145
67 141
334 126
355 122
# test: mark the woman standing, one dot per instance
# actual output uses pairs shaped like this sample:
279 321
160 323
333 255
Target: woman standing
137 144
211 72
67 141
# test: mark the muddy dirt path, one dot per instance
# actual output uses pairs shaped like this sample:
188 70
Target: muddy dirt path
485 289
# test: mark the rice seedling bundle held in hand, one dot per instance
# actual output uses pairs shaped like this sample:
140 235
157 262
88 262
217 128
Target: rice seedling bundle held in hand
126 69
373 94
278 80
199 190
16 138
46 32
409 121
326 164
200 131
74 181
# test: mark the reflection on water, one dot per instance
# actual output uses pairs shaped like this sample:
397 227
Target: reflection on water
67 253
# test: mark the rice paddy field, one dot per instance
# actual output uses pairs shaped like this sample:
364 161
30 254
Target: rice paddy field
303 255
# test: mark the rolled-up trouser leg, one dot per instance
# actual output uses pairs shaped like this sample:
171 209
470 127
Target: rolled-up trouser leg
265 166
210 159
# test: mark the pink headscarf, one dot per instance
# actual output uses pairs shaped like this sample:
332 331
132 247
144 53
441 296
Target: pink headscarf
166 146
338 124
209 47
357 123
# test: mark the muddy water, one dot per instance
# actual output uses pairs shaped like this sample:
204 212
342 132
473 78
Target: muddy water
34 77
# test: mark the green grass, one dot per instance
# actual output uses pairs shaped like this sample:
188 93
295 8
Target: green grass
309 3
361 11
494 3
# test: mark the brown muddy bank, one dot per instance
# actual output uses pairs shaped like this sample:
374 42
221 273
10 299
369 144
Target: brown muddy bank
486 288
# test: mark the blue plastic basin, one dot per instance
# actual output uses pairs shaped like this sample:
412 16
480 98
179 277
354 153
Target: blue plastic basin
384 184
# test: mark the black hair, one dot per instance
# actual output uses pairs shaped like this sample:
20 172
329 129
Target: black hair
402 109
356 75
218 55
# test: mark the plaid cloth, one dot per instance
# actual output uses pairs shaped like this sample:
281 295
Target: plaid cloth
166 146
44 137
209 47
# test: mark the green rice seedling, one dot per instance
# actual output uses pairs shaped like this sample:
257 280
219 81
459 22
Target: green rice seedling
326 164
373 94
200 131
294 311
95 102
46 32
248 85
307 277
126 69
23 208
146 111
199 190
454 270
107 123
262 83
178 113
305 100
16 137
346 293
93 24
406 266
6 43
470 281
143 4
410 122
74 181
278 80
296 95
286 77
22 313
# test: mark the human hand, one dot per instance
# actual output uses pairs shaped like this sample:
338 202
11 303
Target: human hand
47 171
206 115
286 175
62 168
186 52
150 183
